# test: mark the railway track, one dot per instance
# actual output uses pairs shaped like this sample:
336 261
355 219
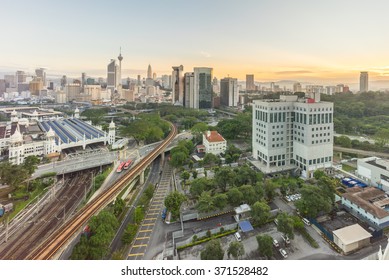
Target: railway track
49 218
61 236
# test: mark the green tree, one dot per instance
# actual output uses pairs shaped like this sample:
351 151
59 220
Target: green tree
199 185
312 201
139 214
260 212
31 163
210 158
382 137
235 249
249 194
224 177
297 222
118 206
220 200
185 175
235 197
213 251
270 189
129 233
199 128
205 202
103 228
173 202
265 245
286 224
178 159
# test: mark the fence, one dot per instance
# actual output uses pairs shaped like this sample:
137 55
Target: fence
322 229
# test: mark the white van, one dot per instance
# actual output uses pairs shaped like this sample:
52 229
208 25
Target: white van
308 223
237 236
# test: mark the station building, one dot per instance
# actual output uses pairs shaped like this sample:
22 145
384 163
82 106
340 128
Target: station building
22 138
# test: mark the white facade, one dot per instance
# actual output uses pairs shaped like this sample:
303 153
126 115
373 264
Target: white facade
368 204
214 143
19 146
291 132
375 171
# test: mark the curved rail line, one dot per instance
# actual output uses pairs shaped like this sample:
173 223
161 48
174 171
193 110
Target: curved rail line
72 226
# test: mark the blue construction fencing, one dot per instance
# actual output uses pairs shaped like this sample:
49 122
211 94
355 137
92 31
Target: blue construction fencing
322 229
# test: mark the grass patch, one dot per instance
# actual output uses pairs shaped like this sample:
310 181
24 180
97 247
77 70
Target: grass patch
348 168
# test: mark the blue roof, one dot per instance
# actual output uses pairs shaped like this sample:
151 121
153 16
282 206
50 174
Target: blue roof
245 226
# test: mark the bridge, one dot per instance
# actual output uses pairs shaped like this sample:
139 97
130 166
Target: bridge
100 158
361 152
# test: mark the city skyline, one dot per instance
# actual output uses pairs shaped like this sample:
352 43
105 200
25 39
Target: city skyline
272 41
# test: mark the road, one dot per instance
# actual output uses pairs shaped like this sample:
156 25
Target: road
151 179
152 224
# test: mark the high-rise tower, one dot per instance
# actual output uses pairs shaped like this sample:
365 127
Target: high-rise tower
364 82
119 74
178 85
111 75
149 72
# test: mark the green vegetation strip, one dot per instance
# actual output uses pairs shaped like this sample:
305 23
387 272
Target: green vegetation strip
205 239
308 237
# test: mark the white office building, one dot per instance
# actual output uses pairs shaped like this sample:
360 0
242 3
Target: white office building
292 133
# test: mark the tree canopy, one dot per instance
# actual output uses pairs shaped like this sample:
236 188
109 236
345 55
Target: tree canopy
213 251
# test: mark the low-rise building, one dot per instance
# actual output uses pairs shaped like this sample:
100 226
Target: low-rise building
375 171
351 238
369 204
214 143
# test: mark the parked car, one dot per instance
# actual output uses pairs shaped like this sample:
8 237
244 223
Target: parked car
275 243
283 253
237 236
286 239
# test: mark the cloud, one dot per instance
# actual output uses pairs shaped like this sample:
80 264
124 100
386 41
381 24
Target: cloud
205 54
292 72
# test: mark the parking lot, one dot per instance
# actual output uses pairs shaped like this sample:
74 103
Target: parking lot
298 248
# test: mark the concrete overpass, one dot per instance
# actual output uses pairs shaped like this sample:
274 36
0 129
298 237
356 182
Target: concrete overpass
89 160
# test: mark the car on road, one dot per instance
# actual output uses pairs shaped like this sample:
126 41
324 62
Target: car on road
306 221
237 236
275 243
283 253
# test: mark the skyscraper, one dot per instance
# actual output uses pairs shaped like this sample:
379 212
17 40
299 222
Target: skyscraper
229 92
178 85
250 82
40 72
203 93
364 82
63 81
111 75
189 90
149 72
83 79
20 77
